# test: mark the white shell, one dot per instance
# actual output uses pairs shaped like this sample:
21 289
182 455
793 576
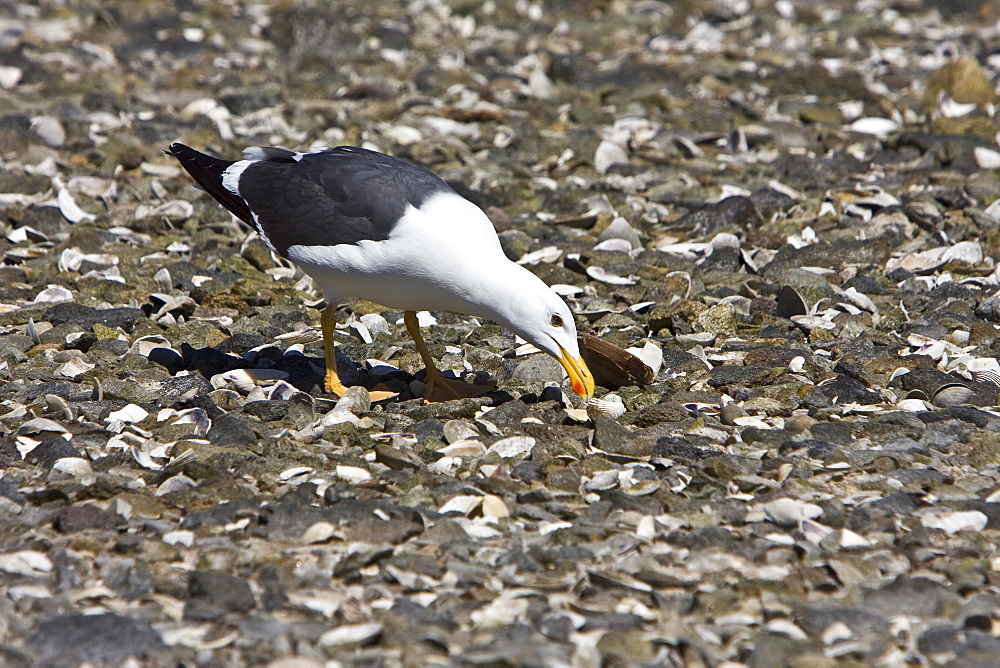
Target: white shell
244 380
147 344
463 504
880 127
75 367
354 474
319 532
494 508
789 512
25 562
608 154
70 209
513 446
610 405
350 634
129 413
953 522
604 276
465 447
53 293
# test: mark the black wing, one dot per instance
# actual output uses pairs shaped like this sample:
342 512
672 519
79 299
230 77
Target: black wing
340 195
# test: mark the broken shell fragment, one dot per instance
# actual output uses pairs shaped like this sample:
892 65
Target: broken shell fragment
244 380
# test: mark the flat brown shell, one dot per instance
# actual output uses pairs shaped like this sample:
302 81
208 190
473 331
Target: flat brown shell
613 367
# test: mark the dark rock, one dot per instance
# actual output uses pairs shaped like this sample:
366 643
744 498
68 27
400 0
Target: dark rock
989 309
747 376
430 428
266 410
968 414
185 392
736 213
218 514
132 581
87 316
704 538
861 622
832 432
674 447
918 596
882 514
230 431
658 414
114 347
845 390
81 517
105 639
209 361
49 451
770 202
240 343
8 490
951 641
212 594
610 436
511 413
273 595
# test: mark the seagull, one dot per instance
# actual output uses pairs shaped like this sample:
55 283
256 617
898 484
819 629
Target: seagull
365 225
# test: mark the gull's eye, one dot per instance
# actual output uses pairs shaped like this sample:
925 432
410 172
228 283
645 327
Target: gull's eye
556 320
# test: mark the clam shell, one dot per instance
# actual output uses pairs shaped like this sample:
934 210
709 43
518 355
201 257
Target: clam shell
987 376
610 405
612 366
790 303
984 369
951 394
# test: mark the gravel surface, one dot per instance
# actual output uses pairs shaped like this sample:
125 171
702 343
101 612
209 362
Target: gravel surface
787 210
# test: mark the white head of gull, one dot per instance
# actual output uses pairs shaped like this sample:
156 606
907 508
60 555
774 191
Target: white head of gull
370 226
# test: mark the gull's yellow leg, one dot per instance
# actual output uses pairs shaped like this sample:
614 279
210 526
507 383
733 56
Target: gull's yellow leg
327 322
436 387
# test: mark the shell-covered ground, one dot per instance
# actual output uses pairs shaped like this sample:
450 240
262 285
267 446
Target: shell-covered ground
787 209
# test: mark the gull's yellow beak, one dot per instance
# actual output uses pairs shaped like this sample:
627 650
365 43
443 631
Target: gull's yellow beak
579 375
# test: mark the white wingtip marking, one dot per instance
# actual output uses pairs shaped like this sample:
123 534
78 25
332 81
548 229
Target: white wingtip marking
231 177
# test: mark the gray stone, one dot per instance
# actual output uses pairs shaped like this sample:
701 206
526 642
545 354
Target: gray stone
110 639
212 594
918 596
229 431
